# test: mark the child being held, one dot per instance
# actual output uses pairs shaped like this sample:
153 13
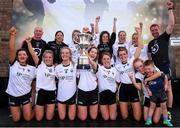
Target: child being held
156 90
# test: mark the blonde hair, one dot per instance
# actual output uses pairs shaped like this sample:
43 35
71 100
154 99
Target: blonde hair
69 52
48 51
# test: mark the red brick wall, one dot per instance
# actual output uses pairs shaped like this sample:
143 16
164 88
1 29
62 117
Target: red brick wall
176 32
5 22
177 18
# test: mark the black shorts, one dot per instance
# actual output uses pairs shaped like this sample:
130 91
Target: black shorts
21 100
107 97
128 93
70 101
160 97
87 98
45 97
147 103
165 68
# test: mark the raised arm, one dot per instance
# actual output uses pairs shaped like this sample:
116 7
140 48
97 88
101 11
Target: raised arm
138 49
12 38
114 24
170 26
134 82
92 29
93 63
141 26
97 24
31 51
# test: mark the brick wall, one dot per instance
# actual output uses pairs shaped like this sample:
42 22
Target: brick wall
5 20
176 32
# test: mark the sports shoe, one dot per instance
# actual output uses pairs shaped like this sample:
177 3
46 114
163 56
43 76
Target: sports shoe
169 116
167 123
148 122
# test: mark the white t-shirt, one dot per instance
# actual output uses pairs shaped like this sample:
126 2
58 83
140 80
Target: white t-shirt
140 76
124 70
67 81
144 52
107 78
45 77
115 49
87 80
20 79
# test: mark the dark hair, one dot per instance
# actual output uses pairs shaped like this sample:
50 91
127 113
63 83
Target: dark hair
102 33
121 49
22 49
148 62
121 32
153 25
59 32
96 50
75 30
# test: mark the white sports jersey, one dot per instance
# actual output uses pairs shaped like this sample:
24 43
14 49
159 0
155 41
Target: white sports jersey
67 81
115 49
107 78
124 70
144 52
75 49
45 77
87 80
20 79
140 76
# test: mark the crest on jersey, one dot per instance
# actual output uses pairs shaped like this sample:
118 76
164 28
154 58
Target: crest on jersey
155 48
37 51
50 70
65 70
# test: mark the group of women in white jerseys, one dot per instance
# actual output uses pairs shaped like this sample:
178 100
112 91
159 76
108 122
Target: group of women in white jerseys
81 92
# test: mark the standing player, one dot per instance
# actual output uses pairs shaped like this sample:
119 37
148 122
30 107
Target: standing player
158 50
87 88
75 49
20 79
105 40
45 87
107 78
134 45
128 90
56 46
122 42
66 95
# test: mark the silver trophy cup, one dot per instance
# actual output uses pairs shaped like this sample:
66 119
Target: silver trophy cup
85 42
